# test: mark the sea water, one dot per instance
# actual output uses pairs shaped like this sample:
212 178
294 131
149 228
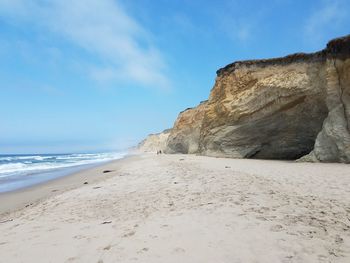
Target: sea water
19 171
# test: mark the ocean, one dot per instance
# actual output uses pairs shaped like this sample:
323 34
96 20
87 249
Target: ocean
19 171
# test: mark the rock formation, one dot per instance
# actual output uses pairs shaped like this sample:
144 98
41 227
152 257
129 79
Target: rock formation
333 141
283 108
265 109
154 142
184 136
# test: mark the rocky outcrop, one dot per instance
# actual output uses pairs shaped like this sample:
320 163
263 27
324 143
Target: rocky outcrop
283 108
333 142
265 110
154 142
184 136
294 107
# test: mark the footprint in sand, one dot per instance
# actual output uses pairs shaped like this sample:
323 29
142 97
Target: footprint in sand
276 228
179 250
145 249
79 237
338 239
129 234
107 247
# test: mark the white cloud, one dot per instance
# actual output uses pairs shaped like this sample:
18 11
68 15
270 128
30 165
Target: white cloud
100 27
326 19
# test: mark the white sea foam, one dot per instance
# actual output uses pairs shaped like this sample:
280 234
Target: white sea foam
25 165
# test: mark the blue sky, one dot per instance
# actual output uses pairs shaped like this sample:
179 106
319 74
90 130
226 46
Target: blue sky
95 75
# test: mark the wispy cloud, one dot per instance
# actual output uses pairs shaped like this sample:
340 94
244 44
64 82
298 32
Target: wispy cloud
324 20
124 50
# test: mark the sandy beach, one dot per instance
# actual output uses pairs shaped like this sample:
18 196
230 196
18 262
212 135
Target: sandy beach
27 196
183 208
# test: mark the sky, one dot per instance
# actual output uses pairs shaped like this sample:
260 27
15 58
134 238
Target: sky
99 75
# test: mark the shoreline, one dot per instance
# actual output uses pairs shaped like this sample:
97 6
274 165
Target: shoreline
12 201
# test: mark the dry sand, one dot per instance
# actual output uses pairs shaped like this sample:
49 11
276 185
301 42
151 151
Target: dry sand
183 208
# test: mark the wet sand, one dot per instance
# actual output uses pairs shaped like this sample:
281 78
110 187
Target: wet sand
15 200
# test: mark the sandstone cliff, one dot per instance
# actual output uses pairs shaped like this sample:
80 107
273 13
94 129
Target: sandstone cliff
333 141
154 142
184 136
265 109
283 108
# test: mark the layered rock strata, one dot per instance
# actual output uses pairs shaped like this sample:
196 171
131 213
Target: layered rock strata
154 142
333 141
267 110
184 136
284 108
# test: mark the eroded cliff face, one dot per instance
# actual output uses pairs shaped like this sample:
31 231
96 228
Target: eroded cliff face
184 136
333 141
284 108
154 142
268 110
